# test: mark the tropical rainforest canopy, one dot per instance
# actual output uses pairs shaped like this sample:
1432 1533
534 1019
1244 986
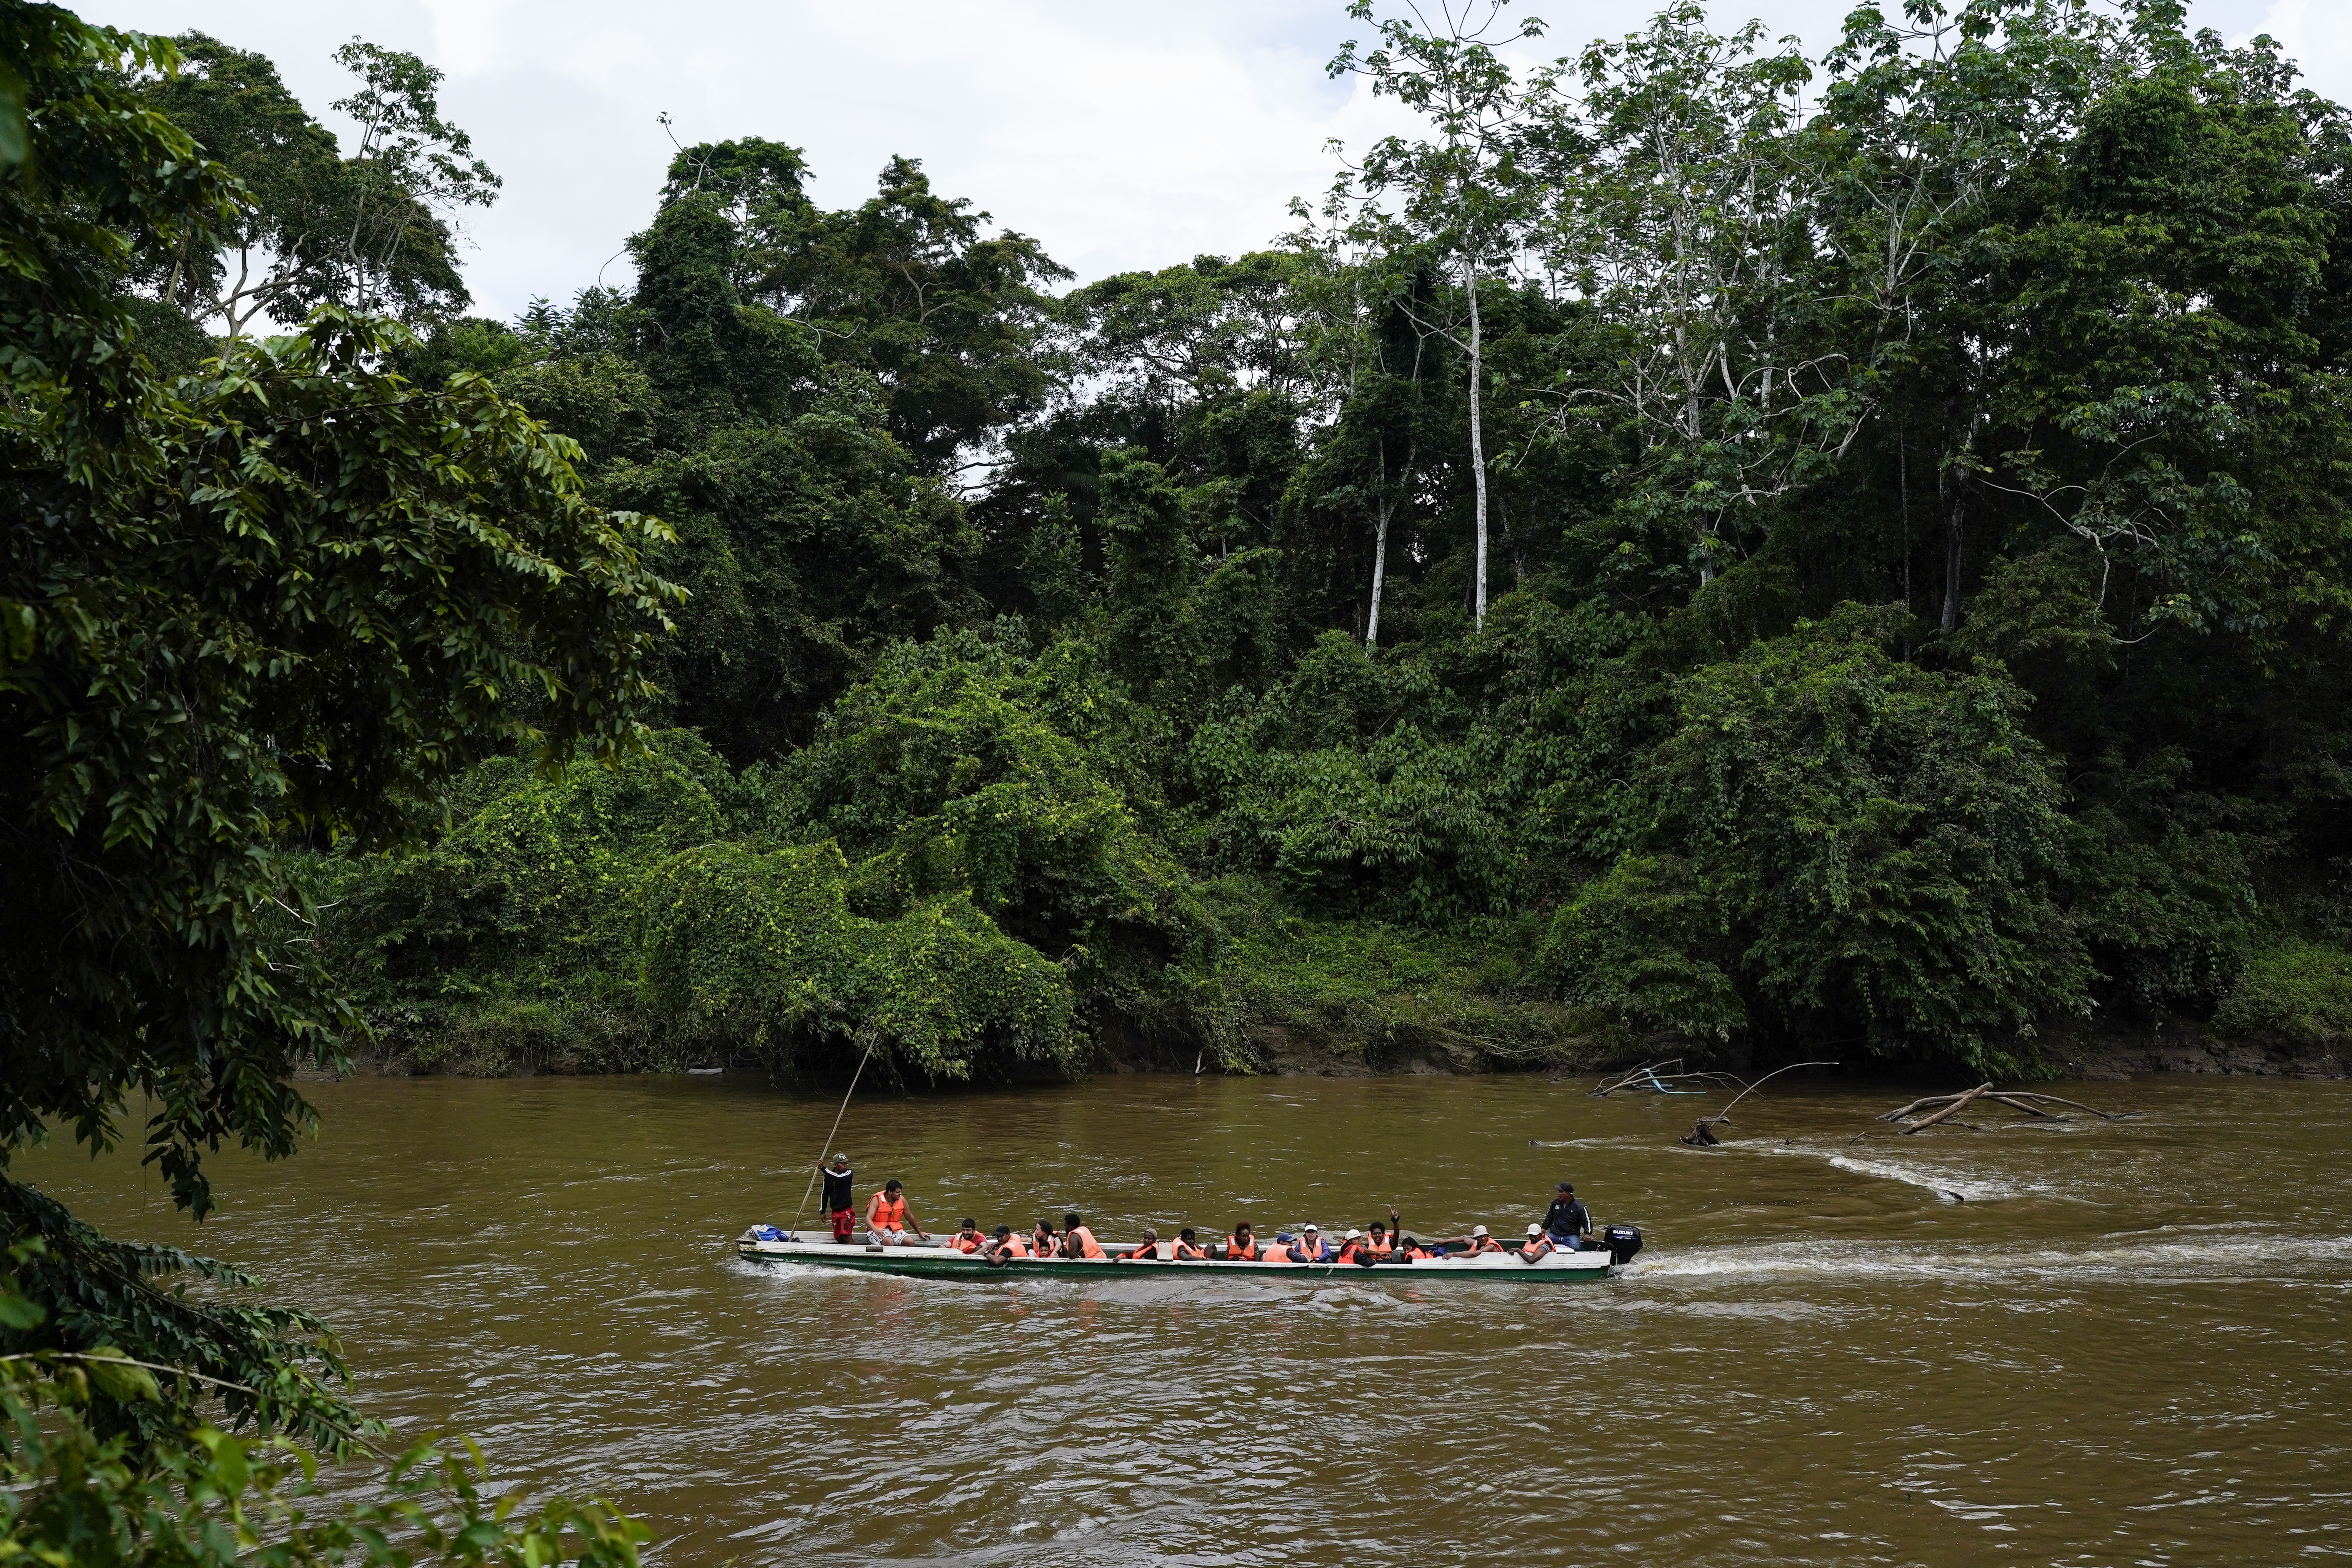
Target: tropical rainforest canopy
1700 549
1705 545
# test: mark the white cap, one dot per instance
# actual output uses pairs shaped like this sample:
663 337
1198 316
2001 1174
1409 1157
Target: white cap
1477 1230
1312 1227
1353 1235
1535 1230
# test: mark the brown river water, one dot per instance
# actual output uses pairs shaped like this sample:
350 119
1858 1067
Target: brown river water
2122 1343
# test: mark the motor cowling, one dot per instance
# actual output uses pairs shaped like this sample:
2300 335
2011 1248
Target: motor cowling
1622 1241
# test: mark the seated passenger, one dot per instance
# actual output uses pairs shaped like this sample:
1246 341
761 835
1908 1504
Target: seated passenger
1308 1248
1378 1244
1188 1247
1353 1250
1077 1241
890 1222
1478 1240
1007 1245
967 1238
1043 1243
1538 1246
1242 1246
1145 1251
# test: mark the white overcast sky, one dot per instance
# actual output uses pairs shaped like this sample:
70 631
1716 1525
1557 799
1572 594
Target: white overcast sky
1123 134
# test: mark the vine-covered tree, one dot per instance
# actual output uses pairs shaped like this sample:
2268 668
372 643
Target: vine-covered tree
278 602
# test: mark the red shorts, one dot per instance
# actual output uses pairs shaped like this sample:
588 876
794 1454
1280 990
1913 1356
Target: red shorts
844 1221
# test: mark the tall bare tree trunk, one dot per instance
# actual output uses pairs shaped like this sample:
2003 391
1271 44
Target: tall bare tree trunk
1955 505
1903 488
1477 437
1380 539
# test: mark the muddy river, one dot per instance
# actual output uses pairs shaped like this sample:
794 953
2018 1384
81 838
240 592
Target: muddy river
2090 1342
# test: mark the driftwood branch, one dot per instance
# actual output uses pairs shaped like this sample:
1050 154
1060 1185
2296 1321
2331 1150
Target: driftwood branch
1934 1109
1701 1132
2054 1099
1953 1104
1656 1075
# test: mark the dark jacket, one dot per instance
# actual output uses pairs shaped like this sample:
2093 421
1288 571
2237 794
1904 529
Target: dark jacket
1566 1217
840 1190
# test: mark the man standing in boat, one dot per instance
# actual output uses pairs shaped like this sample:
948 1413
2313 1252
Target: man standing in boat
840 1196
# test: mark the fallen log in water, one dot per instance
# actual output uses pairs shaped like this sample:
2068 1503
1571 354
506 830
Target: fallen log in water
1932 1109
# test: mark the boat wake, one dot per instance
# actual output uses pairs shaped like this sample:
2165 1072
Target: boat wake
2173 1255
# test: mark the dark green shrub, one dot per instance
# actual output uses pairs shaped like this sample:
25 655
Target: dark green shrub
2298 992
1859 846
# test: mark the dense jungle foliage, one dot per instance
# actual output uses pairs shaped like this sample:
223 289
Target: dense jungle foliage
1707 546
253 593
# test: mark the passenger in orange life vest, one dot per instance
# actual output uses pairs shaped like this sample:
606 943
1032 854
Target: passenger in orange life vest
1308 1249
1004 1245
1042 1241
1242 1246
1378 1244
967 1238
1077 1241
1146 1251
1478 1240
1188 1247
1538 1246
1352 1250
890 1223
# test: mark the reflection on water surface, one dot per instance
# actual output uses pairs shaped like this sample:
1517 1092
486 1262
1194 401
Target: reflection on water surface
2091 1343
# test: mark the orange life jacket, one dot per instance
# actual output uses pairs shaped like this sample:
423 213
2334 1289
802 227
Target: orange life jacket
1145 1252
1016 1247
1185 1251
1237 1253
889 1213
1045 1246
1485 1244
1349 1249
1377 1246
1079 1242
962 1243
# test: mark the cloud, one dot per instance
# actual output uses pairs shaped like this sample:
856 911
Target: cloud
1122 136
2318 35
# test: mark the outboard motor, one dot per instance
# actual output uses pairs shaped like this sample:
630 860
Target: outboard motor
1622 1241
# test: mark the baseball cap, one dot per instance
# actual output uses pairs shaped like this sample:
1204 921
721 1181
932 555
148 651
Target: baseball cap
1353 1235
1314 1227
1535 1230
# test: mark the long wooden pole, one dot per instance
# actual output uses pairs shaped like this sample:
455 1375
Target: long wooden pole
828 1139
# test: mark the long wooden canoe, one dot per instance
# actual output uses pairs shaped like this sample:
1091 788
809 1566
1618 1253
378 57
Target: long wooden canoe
945 1263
